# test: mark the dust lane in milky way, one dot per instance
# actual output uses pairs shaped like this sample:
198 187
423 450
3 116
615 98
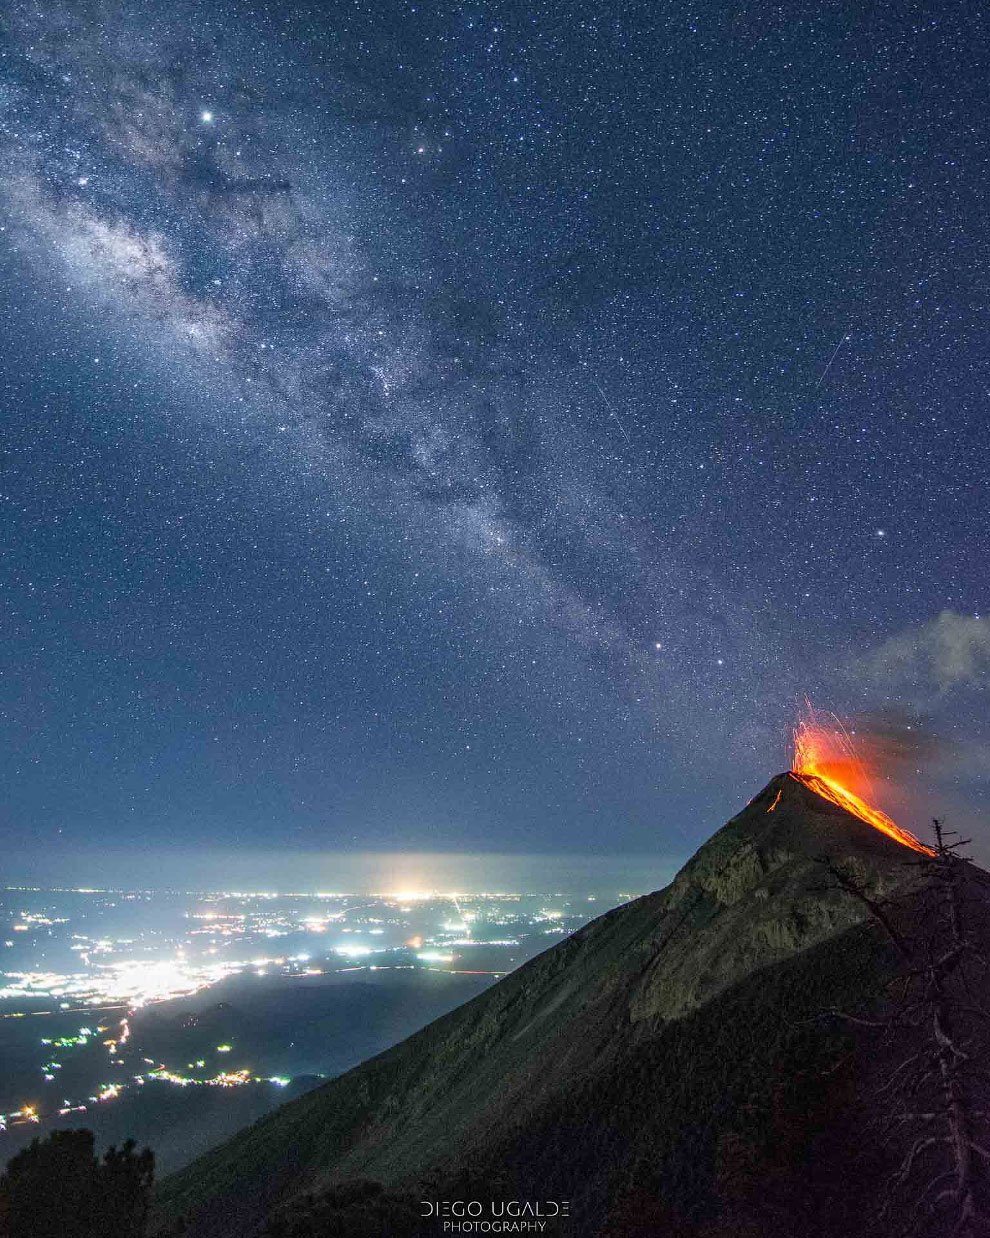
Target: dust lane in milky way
480 428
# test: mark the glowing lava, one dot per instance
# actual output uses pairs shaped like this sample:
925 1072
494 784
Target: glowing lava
826 760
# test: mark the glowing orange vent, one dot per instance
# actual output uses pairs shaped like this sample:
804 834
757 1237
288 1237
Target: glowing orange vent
827 762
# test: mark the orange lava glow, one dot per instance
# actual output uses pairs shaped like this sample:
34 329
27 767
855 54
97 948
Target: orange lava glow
827 761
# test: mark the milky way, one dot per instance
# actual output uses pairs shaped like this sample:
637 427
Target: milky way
486 423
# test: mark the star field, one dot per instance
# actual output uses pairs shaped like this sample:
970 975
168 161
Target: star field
476 427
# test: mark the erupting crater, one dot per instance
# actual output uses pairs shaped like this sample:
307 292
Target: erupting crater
827 761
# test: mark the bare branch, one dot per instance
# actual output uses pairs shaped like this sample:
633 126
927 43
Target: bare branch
916 1149
872 905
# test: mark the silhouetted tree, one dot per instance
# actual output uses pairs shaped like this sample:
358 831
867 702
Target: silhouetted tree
935 1104
124 1184
59 1188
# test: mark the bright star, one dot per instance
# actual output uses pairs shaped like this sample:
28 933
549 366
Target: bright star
206 117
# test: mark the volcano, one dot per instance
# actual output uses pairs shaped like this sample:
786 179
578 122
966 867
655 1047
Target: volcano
660 1070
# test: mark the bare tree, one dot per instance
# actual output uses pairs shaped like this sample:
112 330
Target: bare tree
934 1104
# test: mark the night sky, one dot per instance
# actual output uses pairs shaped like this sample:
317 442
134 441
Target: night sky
476 427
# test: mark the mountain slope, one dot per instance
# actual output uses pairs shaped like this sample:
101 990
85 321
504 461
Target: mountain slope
571 1072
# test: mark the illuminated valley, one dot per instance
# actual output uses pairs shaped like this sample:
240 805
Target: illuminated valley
110 996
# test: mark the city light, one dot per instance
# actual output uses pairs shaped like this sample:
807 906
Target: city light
90 979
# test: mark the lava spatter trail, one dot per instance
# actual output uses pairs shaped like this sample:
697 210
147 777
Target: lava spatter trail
826 759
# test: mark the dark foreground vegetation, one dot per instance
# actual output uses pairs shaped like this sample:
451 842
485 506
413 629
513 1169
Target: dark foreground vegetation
59 1188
